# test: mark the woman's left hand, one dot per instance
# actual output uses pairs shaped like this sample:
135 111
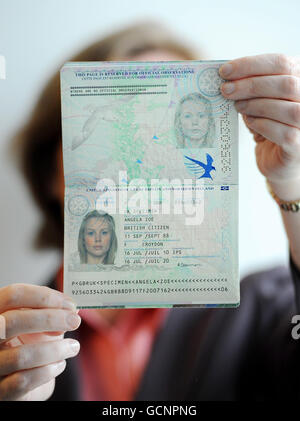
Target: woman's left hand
266 89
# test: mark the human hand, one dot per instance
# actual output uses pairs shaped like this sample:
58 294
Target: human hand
266 89
33 320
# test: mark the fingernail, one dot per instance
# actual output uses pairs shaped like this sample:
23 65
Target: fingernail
73 320
70 305
228 88
225 70
75 346
240 105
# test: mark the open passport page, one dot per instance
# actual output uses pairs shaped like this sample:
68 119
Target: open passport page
150 154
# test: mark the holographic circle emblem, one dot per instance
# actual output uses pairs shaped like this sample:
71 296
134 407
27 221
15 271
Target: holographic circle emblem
78 205
209 82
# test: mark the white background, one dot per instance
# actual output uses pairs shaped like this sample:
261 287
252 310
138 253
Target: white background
36 36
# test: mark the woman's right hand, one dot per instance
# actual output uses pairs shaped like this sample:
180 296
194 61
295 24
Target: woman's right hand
33 320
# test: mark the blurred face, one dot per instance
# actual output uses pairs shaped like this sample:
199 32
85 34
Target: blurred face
194 119
97 236
154 55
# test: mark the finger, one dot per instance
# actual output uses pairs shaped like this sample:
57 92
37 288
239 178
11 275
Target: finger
52 334
246 122
285 136
11 343
33 296
41 393
263 64
19 322
36 355
286 112
256 136
281 87
31 338
2 327
18 384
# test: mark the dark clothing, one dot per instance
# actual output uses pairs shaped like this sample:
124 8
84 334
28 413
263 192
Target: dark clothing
244 353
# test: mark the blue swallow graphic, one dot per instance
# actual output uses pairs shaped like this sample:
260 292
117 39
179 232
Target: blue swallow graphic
208 167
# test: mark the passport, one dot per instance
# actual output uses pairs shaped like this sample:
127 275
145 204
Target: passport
150 153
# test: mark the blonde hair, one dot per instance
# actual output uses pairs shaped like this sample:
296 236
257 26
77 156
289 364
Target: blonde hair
37 142
209 137
110 255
